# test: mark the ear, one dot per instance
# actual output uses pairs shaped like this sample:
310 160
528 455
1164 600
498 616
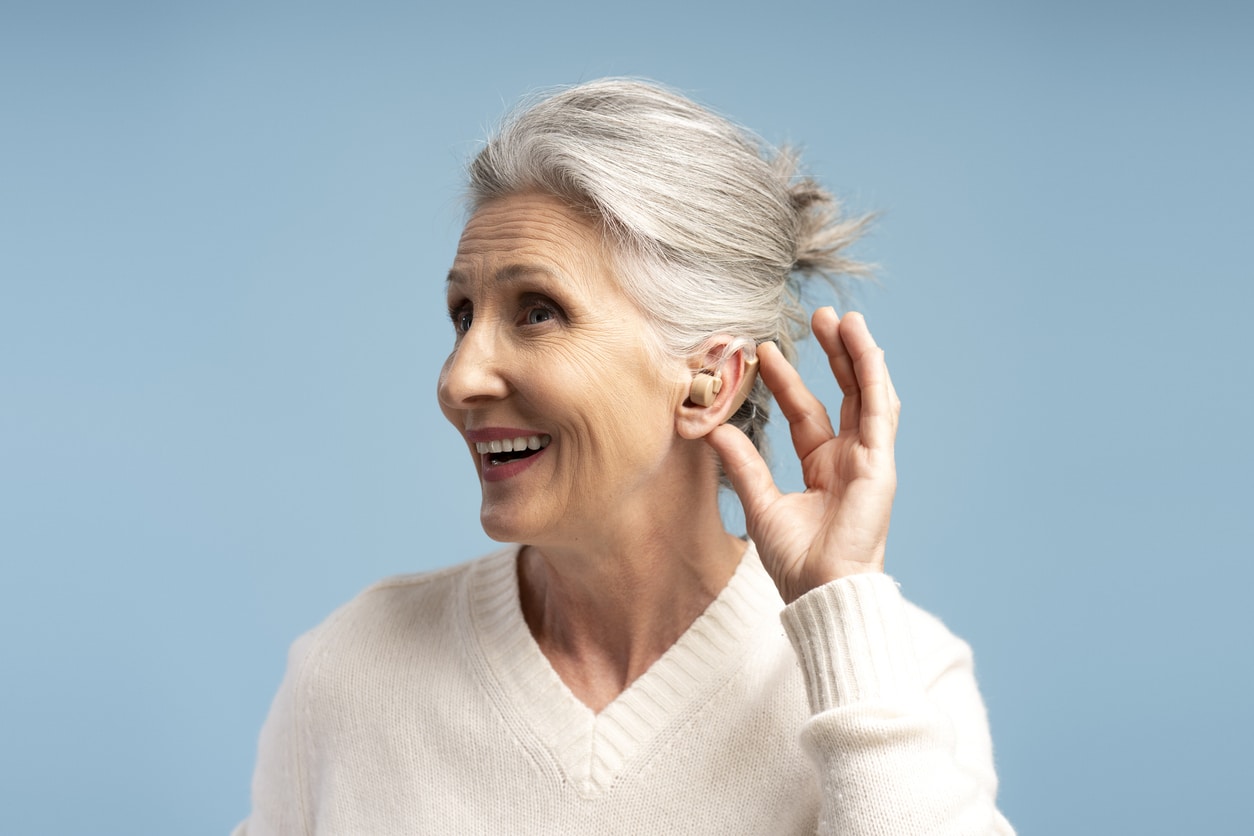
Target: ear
735 375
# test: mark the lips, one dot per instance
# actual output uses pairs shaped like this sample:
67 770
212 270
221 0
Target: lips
505 452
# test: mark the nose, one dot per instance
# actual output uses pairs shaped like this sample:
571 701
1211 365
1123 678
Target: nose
473 372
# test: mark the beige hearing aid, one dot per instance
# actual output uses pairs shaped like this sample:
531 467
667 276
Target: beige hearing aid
705 386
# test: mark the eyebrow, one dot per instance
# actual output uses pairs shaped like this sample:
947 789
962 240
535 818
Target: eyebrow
508 274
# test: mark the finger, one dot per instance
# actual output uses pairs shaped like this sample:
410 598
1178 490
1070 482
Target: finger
808 422
826 327
748 473
893 399
877 419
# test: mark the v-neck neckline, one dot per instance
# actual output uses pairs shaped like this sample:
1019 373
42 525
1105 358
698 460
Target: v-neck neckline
591 749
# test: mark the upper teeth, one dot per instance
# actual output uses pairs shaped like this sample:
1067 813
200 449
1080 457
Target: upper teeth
509 445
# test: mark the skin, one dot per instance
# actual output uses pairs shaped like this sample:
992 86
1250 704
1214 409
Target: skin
625 545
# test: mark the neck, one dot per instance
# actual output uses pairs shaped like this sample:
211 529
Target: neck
606 607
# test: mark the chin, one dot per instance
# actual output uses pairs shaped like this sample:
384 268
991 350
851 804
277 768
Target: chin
493 528
506 525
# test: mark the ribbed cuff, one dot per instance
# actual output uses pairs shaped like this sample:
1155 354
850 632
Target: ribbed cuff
852 640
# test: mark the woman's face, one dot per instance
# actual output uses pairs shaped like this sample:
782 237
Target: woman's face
548 349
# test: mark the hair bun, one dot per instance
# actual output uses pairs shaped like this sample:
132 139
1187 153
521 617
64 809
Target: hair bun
823 232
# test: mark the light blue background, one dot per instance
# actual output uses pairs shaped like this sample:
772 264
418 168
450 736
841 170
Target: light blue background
223 233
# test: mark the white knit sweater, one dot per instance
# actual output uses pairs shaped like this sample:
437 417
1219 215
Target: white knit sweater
425 706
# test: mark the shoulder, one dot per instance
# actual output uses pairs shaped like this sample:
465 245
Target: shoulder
397 609
387 668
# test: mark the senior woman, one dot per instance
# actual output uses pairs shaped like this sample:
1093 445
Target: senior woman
629 666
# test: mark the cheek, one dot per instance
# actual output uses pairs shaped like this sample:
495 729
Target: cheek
576 381
629 421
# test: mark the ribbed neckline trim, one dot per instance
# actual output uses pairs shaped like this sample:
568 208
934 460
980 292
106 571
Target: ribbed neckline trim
593 749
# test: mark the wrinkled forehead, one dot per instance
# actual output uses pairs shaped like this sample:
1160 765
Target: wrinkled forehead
509 238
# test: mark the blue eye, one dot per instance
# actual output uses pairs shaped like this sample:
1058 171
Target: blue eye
536 316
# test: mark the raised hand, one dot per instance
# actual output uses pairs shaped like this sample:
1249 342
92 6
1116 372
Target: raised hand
839 525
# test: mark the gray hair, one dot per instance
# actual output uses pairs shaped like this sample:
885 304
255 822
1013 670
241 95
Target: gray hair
713 231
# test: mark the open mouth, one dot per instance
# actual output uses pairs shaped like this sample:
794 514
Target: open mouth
506 450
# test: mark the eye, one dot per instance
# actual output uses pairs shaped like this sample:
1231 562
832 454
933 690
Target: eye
537 315
462 316
536 309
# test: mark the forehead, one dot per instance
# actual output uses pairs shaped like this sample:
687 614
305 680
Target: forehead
529 231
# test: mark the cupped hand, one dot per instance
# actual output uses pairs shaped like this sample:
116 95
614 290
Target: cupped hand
839 525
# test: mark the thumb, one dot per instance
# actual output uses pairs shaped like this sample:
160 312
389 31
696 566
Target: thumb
749 475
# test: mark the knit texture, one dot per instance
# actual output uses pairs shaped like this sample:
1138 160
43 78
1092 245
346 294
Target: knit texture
425 706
